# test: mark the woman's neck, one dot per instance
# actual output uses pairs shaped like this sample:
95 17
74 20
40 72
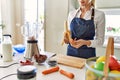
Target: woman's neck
85 8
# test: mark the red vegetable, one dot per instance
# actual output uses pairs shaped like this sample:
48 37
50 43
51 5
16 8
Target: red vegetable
113 63
27 62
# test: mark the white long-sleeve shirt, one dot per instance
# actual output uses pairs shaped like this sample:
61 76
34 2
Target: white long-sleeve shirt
99 22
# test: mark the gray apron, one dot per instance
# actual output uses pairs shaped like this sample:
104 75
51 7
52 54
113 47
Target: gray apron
82 29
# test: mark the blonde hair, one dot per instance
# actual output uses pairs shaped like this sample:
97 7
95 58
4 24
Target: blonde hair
93 3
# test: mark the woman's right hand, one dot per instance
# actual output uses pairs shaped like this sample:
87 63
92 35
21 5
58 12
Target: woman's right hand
66 37
66 40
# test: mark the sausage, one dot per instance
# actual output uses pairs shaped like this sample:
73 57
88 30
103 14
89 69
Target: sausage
51 70
67 74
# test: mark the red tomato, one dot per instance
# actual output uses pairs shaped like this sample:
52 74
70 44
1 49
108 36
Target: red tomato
113 63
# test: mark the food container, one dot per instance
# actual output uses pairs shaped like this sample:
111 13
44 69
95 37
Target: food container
93 74
103 70
52 63
19 48
7 51
27 72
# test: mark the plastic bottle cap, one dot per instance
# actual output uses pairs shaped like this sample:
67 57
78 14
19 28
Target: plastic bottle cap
7 35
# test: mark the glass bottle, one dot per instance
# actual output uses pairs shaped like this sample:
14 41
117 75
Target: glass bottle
7 48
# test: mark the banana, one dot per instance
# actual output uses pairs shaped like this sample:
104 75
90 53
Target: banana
67 33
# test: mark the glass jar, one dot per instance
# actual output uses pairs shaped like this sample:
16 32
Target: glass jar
7 51
27 72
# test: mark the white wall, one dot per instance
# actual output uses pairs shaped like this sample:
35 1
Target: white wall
12 15
107 3
55 14
7 7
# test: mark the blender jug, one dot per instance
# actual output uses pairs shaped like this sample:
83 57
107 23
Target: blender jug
32 49
30 32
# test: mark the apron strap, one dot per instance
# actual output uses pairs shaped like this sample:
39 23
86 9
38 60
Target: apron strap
92 15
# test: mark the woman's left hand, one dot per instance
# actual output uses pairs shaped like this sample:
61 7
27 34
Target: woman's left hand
78 43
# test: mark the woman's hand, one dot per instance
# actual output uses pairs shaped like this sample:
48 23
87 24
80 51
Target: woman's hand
66 37
78 43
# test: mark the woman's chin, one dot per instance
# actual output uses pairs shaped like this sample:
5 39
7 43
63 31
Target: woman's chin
82 6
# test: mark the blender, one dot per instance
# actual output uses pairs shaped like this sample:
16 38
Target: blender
30 31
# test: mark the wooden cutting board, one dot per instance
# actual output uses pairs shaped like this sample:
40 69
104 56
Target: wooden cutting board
70 61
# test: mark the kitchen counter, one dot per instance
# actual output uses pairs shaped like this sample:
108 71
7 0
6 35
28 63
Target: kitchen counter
79 73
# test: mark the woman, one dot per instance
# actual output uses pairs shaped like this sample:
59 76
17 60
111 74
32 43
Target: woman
87 28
